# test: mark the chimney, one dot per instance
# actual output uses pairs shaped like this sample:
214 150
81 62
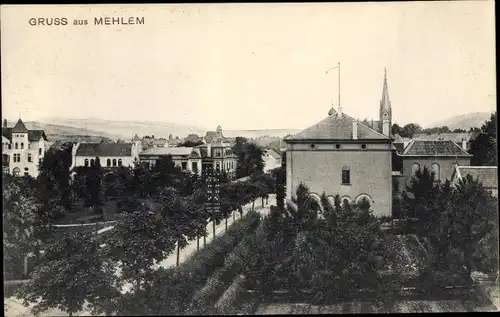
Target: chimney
464 144
354 130
170 137
152 136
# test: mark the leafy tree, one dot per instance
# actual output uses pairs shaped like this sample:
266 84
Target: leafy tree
189 143
411 129
469 218
70 272
249 158
142 180
19 216
484 146
93 184
141 237
165 173
396 129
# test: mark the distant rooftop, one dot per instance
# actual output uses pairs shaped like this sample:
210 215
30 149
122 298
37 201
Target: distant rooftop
487 175
104 149
173 151
434 148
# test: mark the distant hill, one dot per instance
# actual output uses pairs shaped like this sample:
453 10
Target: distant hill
272 133
465 121
127 129
55 132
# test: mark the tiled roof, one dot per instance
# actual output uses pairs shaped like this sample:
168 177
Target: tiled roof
434 148
174 151
159 141
487 175
19 127
104 149
337 127
273 154
36 135
33 135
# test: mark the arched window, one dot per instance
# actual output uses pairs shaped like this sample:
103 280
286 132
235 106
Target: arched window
16 146
86 162
22 146
16 171
414 168
108 162
364 202
346 200
436 171
92 162
114 162
40 151
119 162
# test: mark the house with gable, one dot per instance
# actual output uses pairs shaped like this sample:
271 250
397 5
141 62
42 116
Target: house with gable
22 149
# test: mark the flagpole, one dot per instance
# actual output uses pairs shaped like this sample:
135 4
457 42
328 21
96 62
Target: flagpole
339 83
336 67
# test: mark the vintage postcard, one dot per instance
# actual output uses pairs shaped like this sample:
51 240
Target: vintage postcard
267 158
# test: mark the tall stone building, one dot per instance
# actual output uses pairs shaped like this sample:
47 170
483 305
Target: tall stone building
340 155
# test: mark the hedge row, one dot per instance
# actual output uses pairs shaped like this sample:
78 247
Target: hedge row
208 298
172 289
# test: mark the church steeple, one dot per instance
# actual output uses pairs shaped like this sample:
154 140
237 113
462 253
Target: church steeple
385 111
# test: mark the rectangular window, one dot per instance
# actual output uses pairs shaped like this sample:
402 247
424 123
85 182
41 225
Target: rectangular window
195 166
17 158
184 165
30 158
346 177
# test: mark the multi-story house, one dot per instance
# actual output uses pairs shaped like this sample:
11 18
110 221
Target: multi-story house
23 149
187 158
218 155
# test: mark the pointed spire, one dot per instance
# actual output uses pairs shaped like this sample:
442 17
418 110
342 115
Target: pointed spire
385 103
19 127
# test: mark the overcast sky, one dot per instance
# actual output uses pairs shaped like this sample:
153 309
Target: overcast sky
250 66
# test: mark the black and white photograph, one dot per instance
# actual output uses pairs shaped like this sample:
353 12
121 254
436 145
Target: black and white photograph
249 158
